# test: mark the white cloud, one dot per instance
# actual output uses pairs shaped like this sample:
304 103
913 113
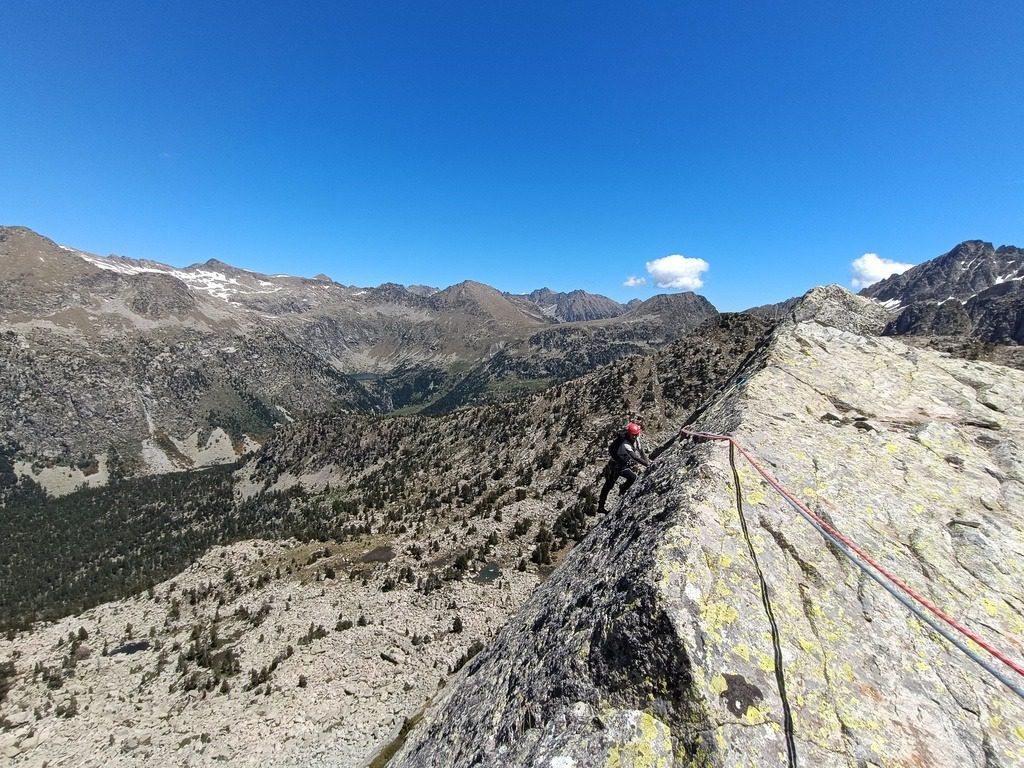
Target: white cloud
870 268
635 282
677 271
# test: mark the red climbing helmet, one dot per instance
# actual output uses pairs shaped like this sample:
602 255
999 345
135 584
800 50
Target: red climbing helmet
633 428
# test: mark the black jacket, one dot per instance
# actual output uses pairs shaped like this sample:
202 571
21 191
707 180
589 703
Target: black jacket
626 450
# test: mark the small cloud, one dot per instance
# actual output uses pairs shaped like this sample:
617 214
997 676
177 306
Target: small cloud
635 282
870 268
677 271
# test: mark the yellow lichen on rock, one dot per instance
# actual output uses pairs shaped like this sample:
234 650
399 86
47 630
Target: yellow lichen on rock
651 747
718 685
716 616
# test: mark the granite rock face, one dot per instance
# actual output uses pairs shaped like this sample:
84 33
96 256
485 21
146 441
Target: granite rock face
651 645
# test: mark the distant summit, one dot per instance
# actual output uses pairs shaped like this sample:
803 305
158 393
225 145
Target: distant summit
974 290
421 290
574 306
963 273
481 299
973 293
673 303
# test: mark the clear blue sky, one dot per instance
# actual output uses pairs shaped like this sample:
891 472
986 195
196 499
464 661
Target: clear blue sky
520 144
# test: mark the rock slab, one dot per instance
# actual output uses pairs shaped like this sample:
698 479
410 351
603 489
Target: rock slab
651 644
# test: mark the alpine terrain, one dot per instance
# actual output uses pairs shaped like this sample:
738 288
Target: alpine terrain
268 520
115 366
705 623
968 302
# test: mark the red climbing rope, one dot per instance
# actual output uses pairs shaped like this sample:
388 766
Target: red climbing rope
906 589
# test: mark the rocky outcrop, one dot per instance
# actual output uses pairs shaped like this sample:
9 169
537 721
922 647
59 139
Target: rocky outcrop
651 645
836 307
832 305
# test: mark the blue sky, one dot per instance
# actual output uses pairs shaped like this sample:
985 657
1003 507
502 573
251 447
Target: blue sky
520 144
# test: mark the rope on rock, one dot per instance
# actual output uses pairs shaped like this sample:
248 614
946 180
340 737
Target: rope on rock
879 573
780 677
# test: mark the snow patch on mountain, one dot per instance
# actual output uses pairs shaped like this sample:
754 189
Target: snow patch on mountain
212 282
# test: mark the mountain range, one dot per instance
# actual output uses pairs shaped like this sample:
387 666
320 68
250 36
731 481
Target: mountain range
109 360
392 554
118 365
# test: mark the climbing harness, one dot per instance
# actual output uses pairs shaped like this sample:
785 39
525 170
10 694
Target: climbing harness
889 581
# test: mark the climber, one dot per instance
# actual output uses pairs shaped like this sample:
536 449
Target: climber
625 450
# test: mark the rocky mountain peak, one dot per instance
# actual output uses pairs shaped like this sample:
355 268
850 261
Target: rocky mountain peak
481 299
421 290
540 294
683 301
966 301
467 291
974 290
10 231
576 305
962 273
390 292
218 264
38 275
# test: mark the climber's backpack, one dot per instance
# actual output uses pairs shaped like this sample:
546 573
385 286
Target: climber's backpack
616 444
